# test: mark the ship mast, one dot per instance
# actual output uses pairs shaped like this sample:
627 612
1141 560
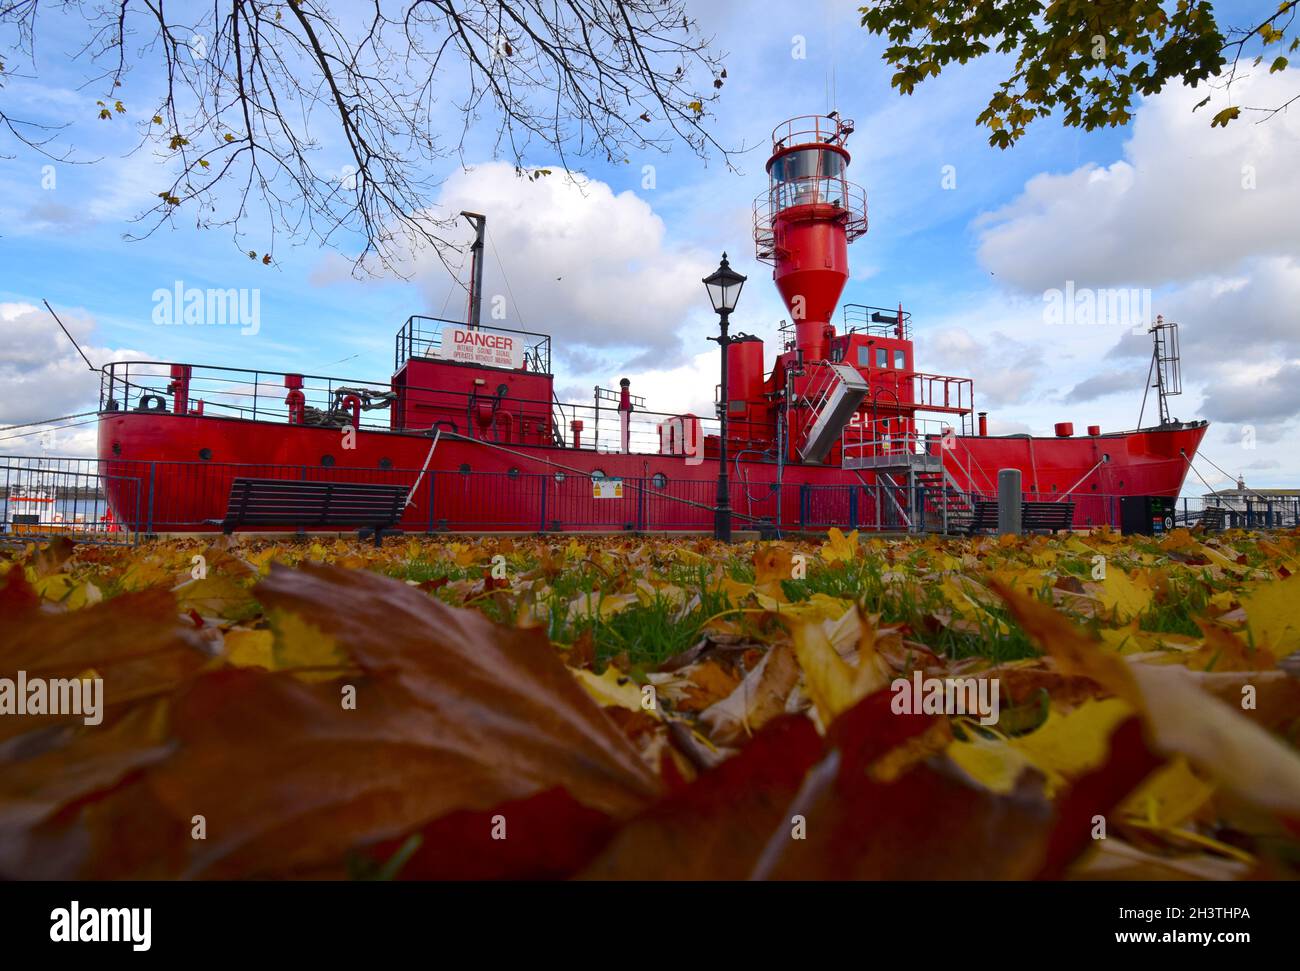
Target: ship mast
1166 367
479 222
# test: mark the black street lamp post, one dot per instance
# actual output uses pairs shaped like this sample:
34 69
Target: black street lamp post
724 286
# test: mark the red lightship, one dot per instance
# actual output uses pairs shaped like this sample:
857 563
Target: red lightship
843 430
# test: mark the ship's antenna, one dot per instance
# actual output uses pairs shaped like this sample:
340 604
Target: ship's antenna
69 336
506 277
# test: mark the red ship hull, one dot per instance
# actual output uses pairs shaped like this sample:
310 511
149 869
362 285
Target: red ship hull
843 430
159 481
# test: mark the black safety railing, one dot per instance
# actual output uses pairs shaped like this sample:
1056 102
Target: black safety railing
115 501
421 336
44 498
224 392
879 321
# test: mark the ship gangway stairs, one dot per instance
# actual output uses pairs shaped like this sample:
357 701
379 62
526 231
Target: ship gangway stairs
834 398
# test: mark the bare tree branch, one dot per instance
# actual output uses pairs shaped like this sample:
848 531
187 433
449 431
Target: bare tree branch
238 91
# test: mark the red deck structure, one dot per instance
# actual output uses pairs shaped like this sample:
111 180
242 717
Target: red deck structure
842 430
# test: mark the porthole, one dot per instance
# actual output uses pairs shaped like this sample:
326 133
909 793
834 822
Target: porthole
385 463
464 467
597 475
560 477
327 460
1105 457
659 480
117 448
205 454
513 473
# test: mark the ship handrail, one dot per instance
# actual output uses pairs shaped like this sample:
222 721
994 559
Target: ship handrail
836 191
811 130
258 395
537 353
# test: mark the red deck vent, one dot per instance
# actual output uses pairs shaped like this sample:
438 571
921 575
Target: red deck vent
1094 429
1064 429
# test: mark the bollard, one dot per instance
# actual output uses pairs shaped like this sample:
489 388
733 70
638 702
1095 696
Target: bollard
1008 502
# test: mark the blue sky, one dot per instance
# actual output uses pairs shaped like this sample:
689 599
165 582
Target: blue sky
617 282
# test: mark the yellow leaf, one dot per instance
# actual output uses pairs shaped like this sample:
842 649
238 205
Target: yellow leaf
839 548
1273 615
602 606
54 587
1181 718
146 572
1066 746
612 689
993 763
820 606
1225 651
772 564
1124 596
298 644
250 648
1169 797
1063 748
828 678
738 593
84 595
218 595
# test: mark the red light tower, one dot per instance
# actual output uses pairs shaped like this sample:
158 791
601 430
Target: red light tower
805 221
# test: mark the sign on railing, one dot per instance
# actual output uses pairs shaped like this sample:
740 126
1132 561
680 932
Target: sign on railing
607 488
470 346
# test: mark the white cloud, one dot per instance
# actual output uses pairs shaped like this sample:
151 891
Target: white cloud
586 265
43 376
1186 200
1005 370
1178 215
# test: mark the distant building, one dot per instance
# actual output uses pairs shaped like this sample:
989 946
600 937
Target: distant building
1265 506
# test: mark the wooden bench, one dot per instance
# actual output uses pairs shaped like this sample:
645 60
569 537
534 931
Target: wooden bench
1213 517
1034 516
1046 516
372 509
984 516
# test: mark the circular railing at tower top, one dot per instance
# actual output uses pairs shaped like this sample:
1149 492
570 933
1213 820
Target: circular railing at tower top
847 202
811 130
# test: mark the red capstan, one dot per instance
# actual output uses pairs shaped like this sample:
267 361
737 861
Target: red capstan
180 388
295 399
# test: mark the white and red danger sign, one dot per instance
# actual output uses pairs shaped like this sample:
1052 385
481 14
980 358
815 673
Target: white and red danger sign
481 347
607 488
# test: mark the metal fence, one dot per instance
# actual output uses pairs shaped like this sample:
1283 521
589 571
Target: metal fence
111 500
42 499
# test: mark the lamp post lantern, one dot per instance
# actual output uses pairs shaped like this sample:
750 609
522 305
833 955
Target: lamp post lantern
723 285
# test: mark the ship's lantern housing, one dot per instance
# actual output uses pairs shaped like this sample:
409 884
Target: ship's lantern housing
805 221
